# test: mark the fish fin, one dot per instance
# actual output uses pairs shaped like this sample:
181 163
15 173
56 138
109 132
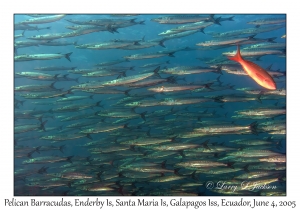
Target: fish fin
61 148
89 136
259 98
42 170
258 58
52 85
231 18
253 127
207 86
163 164
56 76
148 132
98 104
173 138
127 92
181 153
161 43
193 176
217 21
43 125
67 56
272 39
246 168
125 125
156 72
176 171
269 67
132 20
229 164
204 144
143 115
171 54
69 159
237 56
37 149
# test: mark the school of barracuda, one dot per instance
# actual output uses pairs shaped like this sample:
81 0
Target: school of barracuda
163 121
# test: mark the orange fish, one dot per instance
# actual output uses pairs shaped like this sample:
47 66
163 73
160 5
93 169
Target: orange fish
261 76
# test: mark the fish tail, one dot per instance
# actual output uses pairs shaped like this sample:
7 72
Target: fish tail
98 103
89 136
52 85
161 43
43 170
143 115
245 168
148 132
253 127
272 39
43 125
163 164
37 149
237 56
127 92
176 171
231 18
204 144
67 56
61 148
156 72
69 158
193 176
229 164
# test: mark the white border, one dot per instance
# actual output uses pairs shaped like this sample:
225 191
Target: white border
153 6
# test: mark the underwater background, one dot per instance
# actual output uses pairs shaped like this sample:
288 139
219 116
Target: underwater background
143 142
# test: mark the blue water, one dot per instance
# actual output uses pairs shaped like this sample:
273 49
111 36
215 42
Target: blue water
85 58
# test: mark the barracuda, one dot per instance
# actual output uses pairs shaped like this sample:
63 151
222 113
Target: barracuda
35 87
227 41
30 127
64 137
267 21
44 19
54 68
109 63
186 70
47 159
131 79
180 19
42 57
